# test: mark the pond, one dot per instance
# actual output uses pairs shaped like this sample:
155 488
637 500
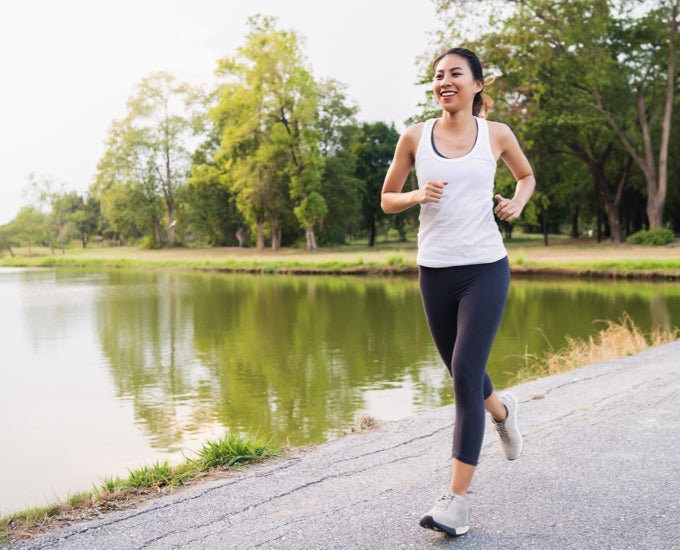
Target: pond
101 371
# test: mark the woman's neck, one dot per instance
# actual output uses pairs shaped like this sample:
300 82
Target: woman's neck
457 121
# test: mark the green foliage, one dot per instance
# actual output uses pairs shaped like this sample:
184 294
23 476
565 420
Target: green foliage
78 498
156 475
147 158
374 150
208 207
580 82
110 484
149 243
265 116
395 260
233 450
29 226
652 237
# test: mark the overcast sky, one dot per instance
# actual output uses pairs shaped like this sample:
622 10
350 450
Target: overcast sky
67 67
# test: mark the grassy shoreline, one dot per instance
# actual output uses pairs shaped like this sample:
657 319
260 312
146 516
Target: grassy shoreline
564 258
228 454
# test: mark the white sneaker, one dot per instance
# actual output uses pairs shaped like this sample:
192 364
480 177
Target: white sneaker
449 514
508 432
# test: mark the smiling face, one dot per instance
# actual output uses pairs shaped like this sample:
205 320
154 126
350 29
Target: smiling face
454 84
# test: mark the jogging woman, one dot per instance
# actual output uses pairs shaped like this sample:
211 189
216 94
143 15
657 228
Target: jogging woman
463 265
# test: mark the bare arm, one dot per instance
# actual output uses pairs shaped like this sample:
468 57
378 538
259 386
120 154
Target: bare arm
393 200
511 153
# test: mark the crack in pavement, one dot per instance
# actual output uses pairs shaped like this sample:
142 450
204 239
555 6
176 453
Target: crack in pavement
230 517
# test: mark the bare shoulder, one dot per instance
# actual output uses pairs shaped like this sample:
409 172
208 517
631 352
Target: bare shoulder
498 130
413 133
409 140
502 138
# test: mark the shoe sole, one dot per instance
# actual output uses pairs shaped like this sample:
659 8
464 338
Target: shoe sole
428 523
515 403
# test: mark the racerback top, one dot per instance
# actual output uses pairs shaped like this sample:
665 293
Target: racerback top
460 229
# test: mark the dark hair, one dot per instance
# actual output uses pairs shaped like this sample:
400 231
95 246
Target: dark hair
481 103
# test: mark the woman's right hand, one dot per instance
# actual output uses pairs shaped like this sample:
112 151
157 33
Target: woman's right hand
432 191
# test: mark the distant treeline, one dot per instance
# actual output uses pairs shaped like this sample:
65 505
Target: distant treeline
274 157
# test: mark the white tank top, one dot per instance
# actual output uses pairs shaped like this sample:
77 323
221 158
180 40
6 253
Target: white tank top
460 229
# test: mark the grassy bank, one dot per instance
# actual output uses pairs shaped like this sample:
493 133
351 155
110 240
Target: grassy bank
527 255
113 494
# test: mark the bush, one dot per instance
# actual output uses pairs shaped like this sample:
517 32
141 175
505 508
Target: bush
652 237
149 243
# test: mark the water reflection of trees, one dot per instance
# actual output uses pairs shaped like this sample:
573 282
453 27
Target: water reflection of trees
294 356
279 355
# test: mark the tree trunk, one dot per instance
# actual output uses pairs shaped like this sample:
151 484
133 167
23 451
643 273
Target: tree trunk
260 234
242 235
169 196
611 206
657 181
311 239
614 222
655 210
10 250
371 234
276 233
598 217
544 215
171 224
574 224
157 229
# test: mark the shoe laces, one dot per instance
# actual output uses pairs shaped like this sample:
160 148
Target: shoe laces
503 432
447 500
447 497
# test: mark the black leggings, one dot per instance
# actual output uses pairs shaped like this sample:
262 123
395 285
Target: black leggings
464 306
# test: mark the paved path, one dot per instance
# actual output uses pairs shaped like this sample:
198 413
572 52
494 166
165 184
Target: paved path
600 469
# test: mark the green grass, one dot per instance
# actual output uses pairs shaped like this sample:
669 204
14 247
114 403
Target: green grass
669 266
357 258
235 266
395 261
231 451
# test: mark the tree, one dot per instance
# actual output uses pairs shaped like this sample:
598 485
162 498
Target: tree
43 195
148 155
374 151
341 189
126 185
209 206
578 61
29 226
87 219
647 51
7 238
267 112
340 186
65 208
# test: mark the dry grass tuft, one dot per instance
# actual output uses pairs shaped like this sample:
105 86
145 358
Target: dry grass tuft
614 341
365 423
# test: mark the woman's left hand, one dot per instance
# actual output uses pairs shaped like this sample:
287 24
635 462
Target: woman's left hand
507 209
